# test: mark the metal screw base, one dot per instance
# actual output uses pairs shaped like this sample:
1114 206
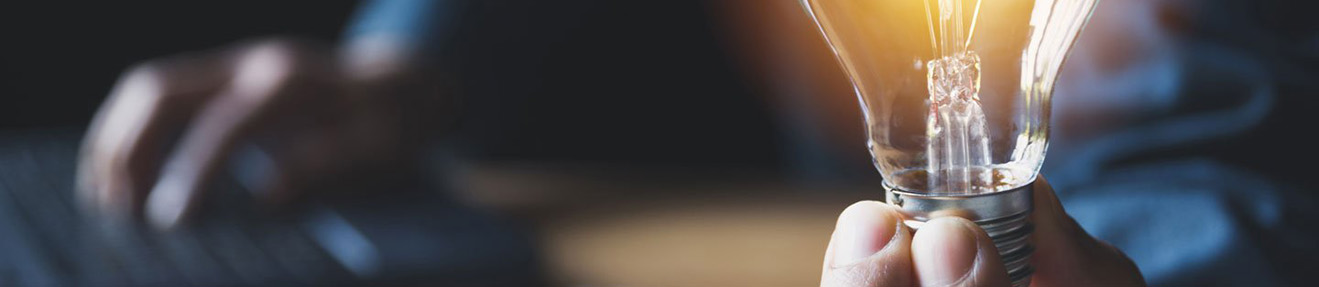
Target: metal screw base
1003 215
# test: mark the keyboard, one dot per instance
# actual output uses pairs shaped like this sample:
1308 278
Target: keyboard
404 234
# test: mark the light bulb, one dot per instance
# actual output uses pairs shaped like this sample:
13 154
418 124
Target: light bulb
955 95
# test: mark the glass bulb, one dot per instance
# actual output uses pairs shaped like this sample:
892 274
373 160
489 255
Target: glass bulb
955 95
955 92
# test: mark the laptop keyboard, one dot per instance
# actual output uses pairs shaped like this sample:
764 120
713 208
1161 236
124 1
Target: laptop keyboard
45 239
54 244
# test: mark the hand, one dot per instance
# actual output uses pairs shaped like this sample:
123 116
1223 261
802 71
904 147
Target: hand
169 125
871 247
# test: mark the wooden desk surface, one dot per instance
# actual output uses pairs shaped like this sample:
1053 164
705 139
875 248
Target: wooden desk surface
610 227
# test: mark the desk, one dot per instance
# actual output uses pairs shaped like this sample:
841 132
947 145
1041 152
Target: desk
610 226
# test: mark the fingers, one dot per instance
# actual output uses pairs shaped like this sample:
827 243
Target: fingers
1066 255
277 168
262 75
869 247
951 251
127 139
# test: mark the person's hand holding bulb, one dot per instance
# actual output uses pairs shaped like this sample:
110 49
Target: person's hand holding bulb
871 247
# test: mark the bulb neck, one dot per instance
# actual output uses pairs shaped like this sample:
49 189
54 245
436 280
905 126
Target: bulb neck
1004 215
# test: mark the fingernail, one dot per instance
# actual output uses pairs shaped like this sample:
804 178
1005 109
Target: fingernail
863 230
944 251
165 204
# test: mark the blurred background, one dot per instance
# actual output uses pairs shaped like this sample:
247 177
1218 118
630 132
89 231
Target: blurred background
665 143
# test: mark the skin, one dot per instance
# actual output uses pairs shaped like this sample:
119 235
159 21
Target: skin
306 111
871 247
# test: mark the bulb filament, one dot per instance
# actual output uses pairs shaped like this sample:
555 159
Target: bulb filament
957 147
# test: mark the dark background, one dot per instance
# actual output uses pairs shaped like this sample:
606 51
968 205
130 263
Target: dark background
59 60
615 81
612 81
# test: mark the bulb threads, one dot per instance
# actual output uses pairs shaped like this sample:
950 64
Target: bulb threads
1004 215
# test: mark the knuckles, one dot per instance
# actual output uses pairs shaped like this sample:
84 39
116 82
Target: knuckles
271 67
264 67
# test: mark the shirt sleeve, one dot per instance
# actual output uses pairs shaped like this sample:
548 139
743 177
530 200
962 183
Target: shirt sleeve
421 26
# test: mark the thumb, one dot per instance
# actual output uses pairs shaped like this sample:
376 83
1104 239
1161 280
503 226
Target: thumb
1065 255
869 247
951 251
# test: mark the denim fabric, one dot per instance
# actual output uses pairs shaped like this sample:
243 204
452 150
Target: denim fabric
1188 215
421 24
